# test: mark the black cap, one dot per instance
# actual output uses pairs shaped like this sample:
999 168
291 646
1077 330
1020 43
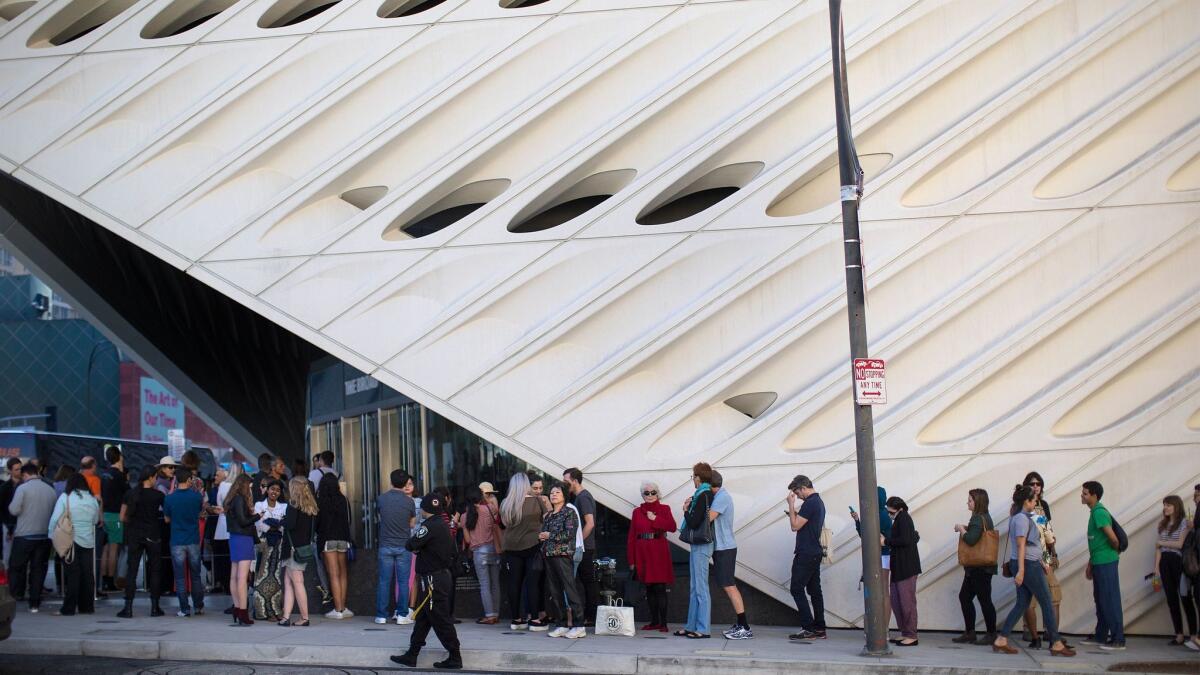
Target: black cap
432 505
800 481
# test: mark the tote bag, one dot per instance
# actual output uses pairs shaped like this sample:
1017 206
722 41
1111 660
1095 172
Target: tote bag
984 553
63 536
615 620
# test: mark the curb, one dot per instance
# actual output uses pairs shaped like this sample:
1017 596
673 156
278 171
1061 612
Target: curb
485 660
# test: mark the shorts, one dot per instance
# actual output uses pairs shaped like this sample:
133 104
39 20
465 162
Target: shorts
241 547
724 563
114 529
336 546
291 564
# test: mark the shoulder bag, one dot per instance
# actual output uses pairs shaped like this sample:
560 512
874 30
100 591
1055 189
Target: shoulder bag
63 536
985 551
697 535
308 552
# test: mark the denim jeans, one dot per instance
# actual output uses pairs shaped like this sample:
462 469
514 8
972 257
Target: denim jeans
394 564
699 601
487 570
806 586
187 555
1106 591
1034 585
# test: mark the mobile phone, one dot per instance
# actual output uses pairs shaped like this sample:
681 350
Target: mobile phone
851 509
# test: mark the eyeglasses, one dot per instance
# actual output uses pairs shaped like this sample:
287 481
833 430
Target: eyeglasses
649 493
1035 484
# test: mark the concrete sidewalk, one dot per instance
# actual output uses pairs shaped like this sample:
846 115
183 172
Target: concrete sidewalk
359 642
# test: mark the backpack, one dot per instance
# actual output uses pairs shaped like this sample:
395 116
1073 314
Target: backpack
1122 538
63 536
1191 555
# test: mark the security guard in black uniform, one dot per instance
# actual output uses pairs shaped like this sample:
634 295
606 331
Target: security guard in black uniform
435 544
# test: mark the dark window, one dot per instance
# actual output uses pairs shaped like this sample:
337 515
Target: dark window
557 215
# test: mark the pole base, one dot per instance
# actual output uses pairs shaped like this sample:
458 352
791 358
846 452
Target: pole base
885 652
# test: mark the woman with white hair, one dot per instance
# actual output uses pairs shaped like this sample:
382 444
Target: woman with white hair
220 547
521 515
649 553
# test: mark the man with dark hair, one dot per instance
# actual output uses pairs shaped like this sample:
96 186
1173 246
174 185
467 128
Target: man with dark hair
586 505
181 510
32 504
1103 555
259 481
806 559
7 490
322 464
397 516
725 556
113 486
435 544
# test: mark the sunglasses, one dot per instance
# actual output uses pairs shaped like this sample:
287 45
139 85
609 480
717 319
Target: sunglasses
1035 484
649 493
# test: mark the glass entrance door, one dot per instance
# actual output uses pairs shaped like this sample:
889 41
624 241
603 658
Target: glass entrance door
369 461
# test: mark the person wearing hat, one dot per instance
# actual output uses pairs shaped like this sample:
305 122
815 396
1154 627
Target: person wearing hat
433 541
806 560
165 481
489 495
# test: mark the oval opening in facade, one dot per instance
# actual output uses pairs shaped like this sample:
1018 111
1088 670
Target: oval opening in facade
448 210
395 9
183 15
574 202
753 404
76 20
11 10
364 198
518 4
702 193
291 12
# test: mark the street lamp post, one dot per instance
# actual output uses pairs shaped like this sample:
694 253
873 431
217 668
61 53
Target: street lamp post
864 432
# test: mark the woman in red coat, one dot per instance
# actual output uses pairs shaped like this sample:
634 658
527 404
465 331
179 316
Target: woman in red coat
650 554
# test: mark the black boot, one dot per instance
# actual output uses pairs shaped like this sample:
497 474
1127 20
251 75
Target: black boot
127 612
155 610
966 638
453 661
987 639
408 658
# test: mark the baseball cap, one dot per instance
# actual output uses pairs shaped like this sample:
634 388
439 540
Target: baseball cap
432 505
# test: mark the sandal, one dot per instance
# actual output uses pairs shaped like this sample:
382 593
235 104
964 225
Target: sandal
285 623
693 635
681 633
303 624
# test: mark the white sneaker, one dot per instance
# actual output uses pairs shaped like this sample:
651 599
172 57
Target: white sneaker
381 619
404 619
576 633
333 614
558 632
346 613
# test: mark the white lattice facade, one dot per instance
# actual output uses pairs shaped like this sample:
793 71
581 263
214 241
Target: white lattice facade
1031 228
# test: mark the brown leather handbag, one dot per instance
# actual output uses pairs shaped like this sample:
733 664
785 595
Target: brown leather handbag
984 553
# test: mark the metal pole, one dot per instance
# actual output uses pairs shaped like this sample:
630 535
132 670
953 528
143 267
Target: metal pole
864 433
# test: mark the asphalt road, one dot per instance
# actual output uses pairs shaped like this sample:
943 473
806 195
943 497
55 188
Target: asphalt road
15 664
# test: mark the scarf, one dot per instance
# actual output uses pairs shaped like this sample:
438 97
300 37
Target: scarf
704 487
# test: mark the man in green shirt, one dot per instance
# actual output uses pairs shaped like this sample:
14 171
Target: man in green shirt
1102 570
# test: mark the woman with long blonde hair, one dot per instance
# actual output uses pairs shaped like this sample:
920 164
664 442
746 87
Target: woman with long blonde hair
298 526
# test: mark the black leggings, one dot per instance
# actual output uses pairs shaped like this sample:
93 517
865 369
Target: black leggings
522 581
977 584
1170 566
656 595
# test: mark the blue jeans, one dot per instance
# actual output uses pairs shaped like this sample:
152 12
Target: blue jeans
1034 585
699 601
394 563
487 570
1106 591
187 557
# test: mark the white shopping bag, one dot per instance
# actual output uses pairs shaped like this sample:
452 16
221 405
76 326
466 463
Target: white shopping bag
615 620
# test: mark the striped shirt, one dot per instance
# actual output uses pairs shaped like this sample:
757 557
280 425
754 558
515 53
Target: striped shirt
1174 537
